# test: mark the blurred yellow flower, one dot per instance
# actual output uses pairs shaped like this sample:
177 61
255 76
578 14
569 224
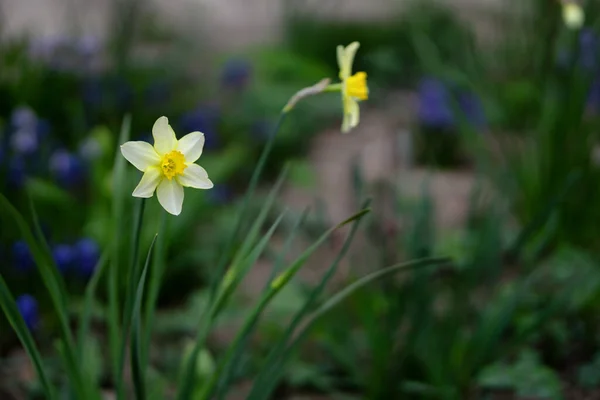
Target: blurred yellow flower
354 87
573 15
168 166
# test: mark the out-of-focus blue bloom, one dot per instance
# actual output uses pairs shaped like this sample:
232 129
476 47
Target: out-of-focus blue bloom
64 257
87 254
593 101
87 45
66 168
26 130
23 118
24 142
16 172
588 48
220 194
21 256
435 110
204 119
236 73
44 48
28 307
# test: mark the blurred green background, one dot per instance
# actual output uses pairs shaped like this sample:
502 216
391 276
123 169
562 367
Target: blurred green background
478 142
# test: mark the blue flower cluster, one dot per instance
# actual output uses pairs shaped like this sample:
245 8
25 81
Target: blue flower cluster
26 149
28 307
67 54
79 258
436 112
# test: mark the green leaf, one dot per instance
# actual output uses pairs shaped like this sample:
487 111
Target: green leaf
7 302
267 379
53 282
118 206
137 368
274 288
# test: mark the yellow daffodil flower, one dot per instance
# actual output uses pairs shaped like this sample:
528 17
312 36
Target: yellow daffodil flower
168 166
353 87
573 15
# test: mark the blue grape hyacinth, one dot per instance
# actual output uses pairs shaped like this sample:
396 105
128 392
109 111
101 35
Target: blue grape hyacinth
203 119
435 110
236 73
64 256
67 168
21 257
28 307
87 254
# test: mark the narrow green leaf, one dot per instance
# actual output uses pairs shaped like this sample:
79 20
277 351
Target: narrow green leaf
88 301
156 275
267 379
265 386
347 291
137 367
118 206
53 282
7 302
274 288
244 208
132 277
230 282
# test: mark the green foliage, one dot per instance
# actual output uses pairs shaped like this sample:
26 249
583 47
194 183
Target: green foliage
527 377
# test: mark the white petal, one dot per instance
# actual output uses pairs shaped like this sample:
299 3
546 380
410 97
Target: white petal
195 176
148 183
348 60
351 114
191 146
340 60
141 154
170 196
164 136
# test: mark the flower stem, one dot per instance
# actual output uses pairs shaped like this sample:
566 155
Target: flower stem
130 295
187 382
156 274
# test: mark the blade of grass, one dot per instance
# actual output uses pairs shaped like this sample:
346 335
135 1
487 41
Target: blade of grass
347 291
230 281
137 364
88 300
274 288
265 381
130 294
52 280
156 274
268 386
118 206
274 271
245 202
7 302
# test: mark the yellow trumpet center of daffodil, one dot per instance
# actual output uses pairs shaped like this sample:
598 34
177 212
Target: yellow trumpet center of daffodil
356 86
173 164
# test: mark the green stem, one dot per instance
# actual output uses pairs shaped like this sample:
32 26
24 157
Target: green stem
156 274
244 209
208 315
130 296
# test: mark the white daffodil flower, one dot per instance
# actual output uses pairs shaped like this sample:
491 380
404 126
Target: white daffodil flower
168 166
354 87
573 14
